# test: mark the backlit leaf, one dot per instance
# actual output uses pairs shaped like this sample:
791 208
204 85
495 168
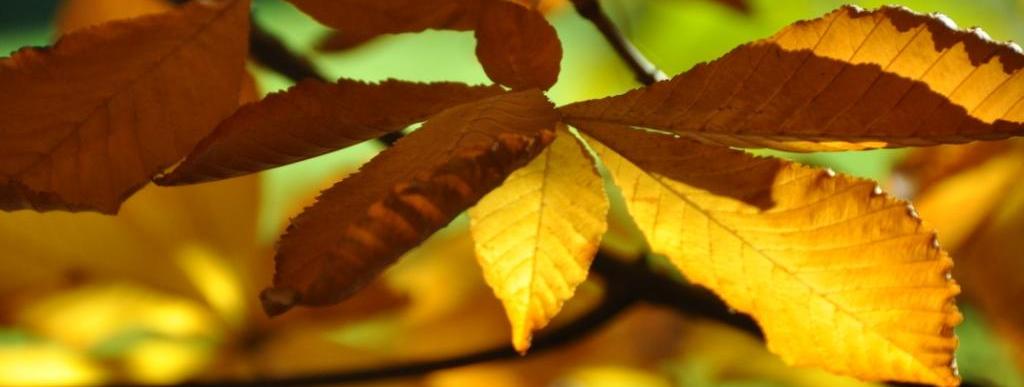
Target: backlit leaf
314 118
837 274
76 14
536 235
979 212
517 47
365 19
79 131
364 223
852 79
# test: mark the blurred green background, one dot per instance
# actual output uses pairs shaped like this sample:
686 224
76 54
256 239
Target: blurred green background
675 34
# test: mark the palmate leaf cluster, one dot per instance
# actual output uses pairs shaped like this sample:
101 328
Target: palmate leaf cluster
838 274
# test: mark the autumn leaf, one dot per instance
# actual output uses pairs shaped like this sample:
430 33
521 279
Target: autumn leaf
515 44
853 79
536 235
781 242
76 14
313 118
370 18
364 223
517 47
82 132
978 208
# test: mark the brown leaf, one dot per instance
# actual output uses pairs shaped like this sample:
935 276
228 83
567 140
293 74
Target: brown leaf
80 131
364 223
313 118
850 80
365 19
517 47
837 274
76 14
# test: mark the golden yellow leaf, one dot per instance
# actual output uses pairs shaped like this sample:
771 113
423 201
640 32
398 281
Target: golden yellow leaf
517 47
852 79
536 234
979 211
79 131
363 224
837 274
76 14
314 118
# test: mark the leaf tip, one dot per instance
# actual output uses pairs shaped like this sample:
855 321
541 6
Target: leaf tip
278 300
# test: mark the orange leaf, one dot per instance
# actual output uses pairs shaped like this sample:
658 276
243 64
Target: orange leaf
517 47
313 118
80 131
369 18
77 14
979 211
837 274
850 80
364 223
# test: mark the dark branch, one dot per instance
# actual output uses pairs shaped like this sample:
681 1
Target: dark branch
270 52
645 71
663 291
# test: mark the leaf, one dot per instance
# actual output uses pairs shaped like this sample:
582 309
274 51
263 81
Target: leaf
517 47
82 132
364 223
837 274
537 234
851 80
979 212
76 14
924 168
313 118
365 19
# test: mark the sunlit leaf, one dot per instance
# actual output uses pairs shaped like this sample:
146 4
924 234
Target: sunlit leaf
76 14
314 118
364 223
537 234
838 274
852 79
979 211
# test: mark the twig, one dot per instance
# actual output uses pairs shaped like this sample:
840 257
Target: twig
663 291
645 71
270 52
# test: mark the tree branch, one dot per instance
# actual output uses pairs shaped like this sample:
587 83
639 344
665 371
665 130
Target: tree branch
644 71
